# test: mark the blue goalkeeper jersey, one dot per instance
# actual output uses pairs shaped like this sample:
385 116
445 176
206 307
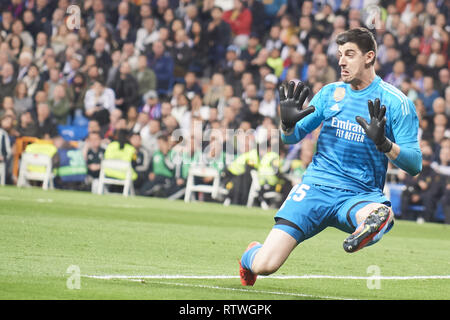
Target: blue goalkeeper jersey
346 158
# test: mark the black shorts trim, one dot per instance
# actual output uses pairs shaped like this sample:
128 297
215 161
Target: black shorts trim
285 222
349 220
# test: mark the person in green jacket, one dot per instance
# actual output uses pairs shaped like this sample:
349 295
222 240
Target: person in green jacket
161 173
60 105
145 77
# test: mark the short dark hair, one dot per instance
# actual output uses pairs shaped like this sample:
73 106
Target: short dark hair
362 37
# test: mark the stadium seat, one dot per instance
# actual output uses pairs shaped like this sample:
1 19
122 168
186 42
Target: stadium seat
201 171
35 167
120 165
2 173
255 188
393 192
73 133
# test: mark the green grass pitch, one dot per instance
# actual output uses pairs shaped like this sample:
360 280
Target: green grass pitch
159 249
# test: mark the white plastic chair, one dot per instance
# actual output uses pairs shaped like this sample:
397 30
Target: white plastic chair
200 171
255 187
113 164
38 160
2 173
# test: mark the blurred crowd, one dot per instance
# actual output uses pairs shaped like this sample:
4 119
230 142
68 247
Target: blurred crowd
130 75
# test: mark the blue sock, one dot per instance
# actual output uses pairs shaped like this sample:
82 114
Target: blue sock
249 256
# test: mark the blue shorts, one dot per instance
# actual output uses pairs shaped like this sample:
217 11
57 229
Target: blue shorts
309 209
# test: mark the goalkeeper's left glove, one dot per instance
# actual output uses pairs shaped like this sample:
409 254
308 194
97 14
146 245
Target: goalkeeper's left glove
376 129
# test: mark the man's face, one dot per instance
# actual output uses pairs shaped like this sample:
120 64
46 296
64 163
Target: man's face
7 70
352 61
95 140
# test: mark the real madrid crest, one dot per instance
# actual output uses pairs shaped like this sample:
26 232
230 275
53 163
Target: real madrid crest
339 94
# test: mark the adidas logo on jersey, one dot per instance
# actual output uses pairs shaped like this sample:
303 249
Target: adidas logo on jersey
335 107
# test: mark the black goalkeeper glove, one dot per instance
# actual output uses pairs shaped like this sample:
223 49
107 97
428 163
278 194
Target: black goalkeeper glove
376 129
291 106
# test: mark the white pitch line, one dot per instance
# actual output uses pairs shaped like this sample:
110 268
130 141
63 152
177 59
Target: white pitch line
287 277
280 293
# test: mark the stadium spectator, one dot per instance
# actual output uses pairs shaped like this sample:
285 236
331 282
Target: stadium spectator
93 153
24 62
7 81
274 10
251 113
131 118
59 104
76 94
150 133
181 53
22 101
116 122
429 94
152 106
46 123
442 164
240 21
161 174
444 81
147 34
397 75
125 87
272 40
191 85
124 33
275 62
33 80
218 36
268 105
102 56
120 149
26 126
408 90
145 77
5 144
163 65
141 161
99 102
236 176
325 73
130 55
420 189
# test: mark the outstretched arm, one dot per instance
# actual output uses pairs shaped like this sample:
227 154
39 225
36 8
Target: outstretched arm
406 156
292 113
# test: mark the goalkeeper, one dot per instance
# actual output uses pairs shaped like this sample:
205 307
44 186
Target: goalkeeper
366 123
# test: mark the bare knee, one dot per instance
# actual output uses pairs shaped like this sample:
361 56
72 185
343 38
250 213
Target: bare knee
265 265
274 252
362 213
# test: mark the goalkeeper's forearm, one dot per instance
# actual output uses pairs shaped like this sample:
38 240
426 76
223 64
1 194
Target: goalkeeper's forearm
292 135
407 157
